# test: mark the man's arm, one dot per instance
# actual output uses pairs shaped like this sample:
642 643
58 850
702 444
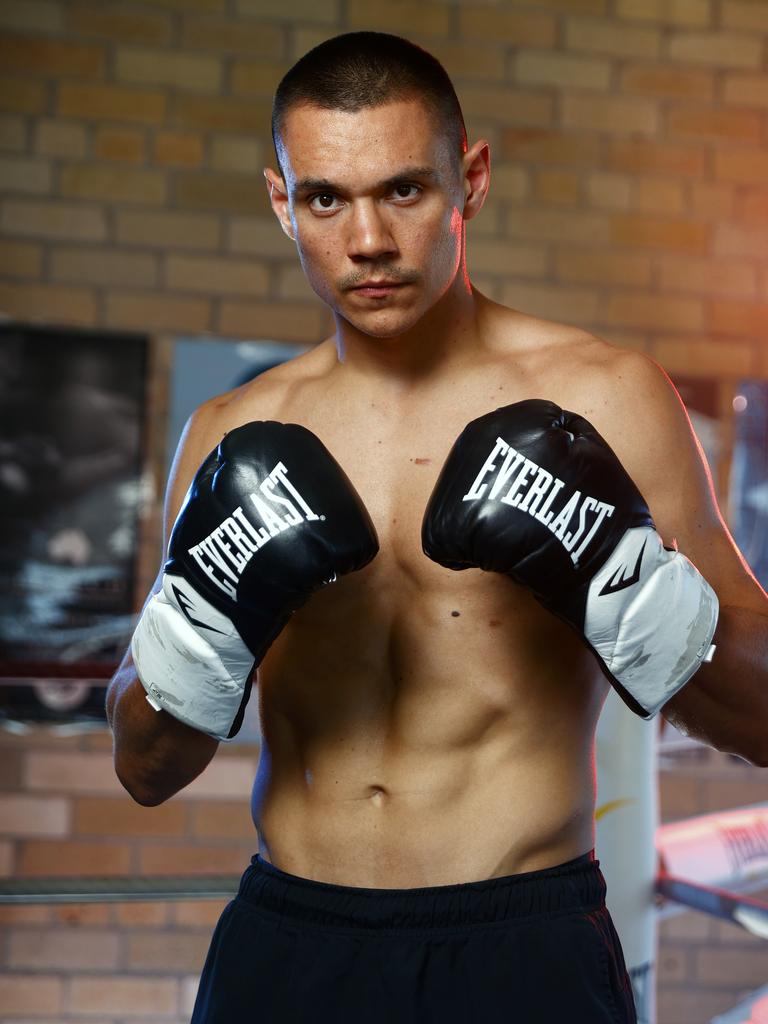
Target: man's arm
640 414
156 755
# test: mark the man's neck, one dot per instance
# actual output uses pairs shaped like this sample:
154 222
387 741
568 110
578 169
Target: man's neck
447 334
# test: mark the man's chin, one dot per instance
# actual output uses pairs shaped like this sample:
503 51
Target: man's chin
381 324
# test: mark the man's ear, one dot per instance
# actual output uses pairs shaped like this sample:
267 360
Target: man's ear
278 198
476 170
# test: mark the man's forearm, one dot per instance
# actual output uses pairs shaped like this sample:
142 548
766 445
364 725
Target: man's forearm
725 705
155 755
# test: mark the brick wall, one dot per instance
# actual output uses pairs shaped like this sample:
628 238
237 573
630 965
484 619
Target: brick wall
629 196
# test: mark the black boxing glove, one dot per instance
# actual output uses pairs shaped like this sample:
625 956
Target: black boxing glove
269 518
534 492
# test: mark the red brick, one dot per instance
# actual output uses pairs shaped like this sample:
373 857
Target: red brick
748 166
222 820
602 267
33 816
198 913
61 949
175 950
709 277
95 816
51 57
82 914
155 912
669 233
553 302
70 858
650 310
637 156
145 996
717 48
664 80
739 125
183 859
729 316
29 994
71 772
703 358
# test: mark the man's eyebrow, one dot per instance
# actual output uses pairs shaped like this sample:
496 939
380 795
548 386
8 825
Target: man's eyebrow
326 185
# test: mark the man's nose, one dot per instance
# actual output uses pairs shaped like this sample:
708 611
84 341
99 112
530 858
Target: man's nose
370 233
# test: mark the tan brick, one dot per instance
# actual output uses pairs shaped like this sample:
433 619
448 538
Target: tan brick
489 223
20 913
609 191
97 816
599 36
70 772
126 26
638 156
13 133
711 200
751 15
149 311
125 144
32 15
740 125
719 49
696 13
60 138
281 321
509 181
304 38
146 66
257 77
205 6
235 153
669 233
199 913
232 192
740 240
51 57
20 259
222 820
223 114
752 205
261 236
649 309
60 949
703 359
470 60
730 966
299 10
48 303
729 316
688 1004
540 146
553 186
561 69
495 256
672 964
507 106
182 859
229 35
30 994
292 284
117 184
659 195
178 149
737 792
229 778
96 265
22 95
110 102
176 951
553 302
7 858
20 174
557 225
615 114
33 816
146 996
168 230
522 28
392 15
70 858
139 913
223 276
665 80
596 266
82 914
707 276
750 90
688 926
748 166
53 220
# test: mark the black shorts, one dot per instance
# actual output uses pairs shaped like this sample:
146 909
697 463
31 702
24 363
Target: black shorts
532 948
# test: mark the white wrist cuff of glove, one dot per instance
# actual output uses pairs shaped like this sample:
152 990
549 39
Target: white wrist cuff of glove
190 659
650 617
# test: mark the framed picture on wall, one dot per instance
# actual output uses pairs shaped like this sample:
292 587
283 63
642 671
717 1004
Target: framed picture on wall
72 406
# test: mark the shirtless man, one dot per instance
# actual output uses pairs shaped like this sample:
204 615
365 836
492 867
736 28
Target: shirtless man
425 797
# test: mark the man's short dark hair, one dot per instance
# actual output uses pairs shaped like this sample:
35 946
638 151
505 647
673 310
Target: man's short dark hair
368 69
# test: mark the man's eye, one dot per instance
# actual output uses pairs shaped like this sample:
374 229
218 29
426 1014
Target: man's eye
406 191
323 201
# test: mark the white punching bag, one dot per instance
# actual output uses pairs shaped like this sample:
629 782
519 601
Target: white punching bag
626 820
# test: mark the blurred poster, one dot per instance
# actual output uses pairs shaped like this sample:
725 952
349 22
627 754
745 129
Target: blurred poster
71 414
749 475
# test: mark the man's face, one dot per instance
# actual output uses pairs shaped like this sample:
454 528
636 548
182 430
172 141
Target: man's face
375 203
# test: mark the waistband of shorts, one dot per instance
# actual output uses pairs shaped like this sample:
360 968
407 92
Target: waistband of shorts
575 885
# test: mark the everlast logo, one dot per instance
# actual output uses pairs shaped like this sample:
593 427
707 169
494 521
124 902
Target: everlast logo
226 551
530 488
